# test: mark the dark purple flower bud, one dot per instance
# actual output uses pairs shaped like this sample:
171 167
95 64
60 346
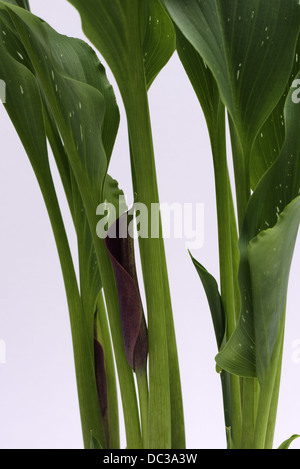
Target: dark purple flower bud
121 250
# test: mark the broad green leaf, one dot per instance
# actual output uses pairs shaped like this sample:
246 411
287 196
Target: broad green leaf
201 78
80 120
81 63
249 47
78 95
80 101
23 99
270 257
266 246
20 3
126 31
24 106
90 280
158 39
91 284
89 275
270 139
287 443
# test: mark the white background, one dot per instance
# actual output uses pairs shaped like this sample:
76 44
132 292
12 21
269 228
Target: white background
38 399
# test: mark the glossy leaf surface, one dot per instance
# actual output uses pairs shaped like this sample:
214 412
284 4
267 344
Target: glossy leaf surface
272 226
232 38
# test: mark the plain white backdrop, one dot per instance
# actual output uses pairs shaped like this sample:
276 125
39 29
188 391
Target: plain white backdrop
38 398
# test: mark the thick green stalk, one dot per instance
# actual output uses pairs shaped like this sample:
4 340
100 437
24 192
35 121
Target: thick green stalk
226 222
250 388
103 336
177 413
166 426
274 404
145 188
249 410
268 385
150 250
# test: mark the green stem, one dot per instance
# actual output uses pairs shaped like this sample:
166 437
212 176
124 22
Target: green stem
226 223
176 402
249 410
164 406
177 414
263 415
268 384
274 405
142 383
125 375
83 351
103 336
143 169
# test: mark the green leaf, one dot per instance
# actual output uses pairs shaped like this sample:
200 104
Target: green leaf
68 71
79 64
130 30
25 108
232 38
20 3
219 321
201 78
214 300
286 444
159 39
269 142
270 256
80 101
266 246
77 68
89 275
